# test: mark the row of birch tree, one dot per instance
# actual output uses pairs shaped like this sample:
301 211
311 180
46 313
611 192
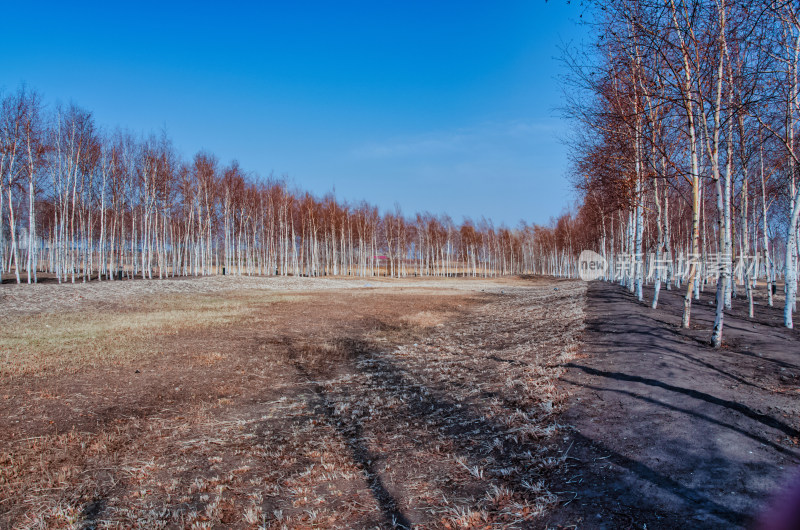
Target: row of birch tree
80 204
684 147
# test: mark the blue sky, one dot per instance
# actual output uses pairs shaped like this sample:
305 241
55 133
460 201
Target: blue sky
447 107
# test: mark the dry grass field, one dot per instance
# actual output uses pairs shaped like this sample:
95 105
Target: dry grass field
282 403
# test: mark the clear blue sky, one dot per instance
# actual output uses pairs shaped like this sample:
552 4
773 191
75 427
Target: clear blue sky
447 107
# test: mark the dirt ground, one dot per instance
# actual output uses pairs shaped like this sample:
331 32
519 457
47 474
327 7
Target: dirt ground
342 403
667 432
250 402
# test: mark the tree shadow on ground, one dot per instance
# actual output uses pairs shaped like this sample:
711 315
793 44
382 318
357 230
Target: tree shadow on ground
695 501
475 438
668 429
769 421
682 410
352 433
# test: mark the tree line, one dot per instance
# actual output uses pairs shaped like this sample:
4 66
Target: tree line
81 204
684 149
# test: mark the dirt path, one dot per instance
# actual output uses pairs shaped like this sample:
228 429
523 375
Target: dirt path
667 431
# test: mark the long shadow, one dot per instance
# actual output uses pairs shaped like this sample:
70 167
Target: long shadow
678 354
703 417
769 421
474 437
423 402
780 363
353 435
736 319
680 333
671 333
697 500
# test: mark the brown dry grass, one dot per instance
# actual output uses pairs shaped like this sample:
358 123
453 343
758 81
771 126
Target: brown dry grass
71 340
416 403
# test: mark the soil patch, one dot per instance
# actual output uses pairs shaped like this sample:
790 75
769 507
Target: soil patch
667 431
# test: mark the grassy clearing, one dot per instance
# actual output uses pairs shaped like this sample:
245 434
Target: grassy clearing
341 409
73 341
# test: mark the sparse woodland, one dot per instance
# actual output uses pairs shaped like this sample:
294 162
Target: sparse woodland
81 204
684 148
